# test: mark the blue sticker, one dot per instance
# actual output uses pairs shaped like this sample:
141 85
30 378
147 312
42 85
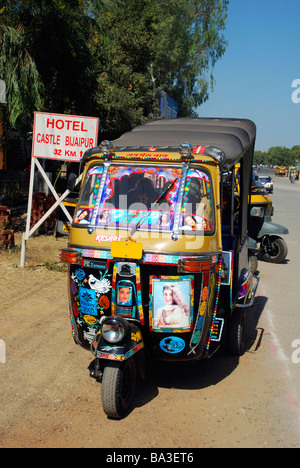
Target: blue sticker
88 301
172 344
80 274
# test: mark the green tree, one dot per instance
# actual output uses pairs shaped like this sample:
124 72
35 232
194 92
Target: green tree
146 46
19 71
261 157
189 44
295 155
58 34
112 58
280 155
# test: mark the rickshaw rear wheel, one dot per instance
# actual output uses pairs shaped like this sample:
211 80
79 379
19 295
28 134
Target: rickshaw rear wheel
237 332
118 386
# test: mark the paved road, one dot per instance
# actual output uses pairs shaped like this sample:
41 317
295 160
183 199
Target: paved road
280 285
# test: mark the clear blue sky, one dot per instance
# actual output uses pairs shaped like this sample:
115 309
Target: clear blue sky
254 78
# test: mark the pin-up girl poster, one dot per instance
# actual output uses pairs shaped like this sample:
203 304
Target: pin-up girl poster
171 301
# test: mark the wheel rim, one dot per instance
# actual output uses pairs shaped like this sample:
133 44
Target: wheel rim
273 250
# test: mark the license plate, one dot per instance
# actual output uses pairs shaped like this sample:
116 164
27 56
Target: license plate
127 249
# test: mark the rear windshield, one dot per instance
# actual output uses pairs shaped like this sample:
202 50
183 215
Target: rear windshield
146 198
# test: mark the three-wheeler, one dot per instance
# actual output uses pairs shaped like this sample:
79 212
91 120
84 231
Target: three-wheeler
264 234
158 249
293 174
280 171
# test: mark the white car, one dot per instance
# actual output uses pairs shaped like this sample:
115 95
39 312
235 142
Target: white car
267 182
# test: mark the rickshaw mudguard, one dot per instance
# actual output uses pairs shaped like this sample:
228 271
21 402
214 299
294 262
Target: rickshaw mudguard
119 352
269 229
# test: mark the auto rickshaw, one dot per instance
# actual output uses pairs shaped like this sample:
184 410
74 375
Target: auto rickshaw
264 234
158 255
280 171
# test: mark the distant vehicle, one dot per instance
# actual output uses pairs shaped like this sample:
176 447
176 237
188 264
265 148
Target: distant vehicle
267 182
280 171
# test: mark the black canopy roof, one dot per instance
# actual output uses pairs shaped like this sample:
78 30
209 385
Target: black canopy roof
232 136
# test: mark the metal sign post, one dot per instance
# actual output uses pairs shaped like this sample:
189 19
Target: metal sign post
60 137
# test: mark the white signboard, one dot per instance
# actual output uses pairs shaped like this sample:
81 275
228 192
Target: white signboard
63 137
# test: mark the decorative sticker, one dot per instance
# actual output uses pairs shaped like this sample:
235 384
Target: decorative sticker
102 285
88 301
172 344
83 216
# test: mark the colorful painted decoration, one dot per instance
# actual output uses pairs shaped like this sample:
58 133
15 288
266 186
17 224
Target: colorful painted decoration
216 306
90 300
172 344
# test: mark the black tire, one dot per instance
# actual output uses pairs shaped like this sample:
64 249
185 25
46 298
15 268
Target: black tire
118 386
275 250
237 332
253 262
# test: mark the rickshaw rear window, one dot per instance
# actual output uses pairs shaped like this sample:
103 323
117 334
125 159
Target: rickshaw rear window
145 198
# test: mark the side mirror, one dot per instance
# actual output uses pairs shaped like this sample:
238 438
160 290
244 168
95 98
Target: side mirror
71 181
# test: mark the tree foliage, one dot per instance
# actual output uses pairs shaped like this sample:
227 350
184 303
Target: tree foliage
18 70
112 58
278 155
146 46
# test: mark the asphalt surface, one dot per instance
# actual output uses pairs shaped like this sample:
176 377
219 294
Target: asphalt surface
281 289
